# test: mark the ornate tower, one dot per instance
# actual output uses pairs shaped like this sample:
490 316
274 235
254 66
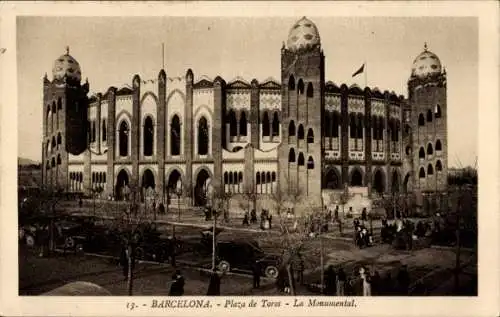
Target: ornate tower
428 102
64 121
302 77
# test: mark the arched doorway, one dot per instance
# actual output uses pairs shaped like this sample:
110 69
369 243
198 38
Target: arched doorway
356 178
332 180
148 181
378 182
122 186
173 178
395 182
200 198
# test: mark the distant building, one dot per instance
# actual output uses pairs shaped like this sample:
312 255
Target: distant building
299 135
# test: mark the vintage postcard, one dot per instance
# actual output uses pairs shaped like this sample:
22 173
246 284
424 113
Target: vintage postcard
249 158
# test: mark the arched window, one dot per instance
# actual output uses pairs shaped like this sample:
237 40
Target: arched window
243 123
336 120
203 137
381 127
59 140
104 130
429 149
352 126
310 136
291 156
175 136
300 87
291 128
300 161
300 133
265 124
273 176
123 138
104 177
429 115
276 125
421 120
93 177
268 181
53 162
93 131
430 170
310 163
226 179
291 83
359 133
59 159
310 90
257 177
421 153
327 132
148 136
439 166
438 145
231 181
421 174
233 124
375 127
437 113
240 177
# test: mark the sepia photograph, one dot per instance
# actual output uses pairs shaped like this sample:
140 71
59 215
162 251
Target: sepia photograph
332 157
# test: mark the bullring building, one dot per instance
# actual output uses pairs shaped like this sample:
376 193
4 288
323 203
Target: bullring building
299 135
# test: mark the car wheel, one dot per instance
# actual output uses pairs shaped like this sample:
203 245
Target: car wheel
224 266
271 271
30 240
69 243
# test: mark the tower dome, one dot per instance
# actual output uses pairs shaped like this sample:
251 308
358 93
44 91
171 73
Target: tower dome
303 34
66 65
426 64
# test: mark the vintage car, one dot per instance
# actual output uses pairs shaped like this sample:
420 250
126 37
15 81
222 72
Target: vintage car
241 255
153 245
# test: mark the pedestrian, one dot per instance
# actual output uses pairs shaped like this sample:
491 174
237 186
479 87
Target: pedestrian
245 220
256 274
363 215
124 261
177 287
161 209
403 280
375 282
253 216
330 281
214 284
341 280
270 219
336 213
366 282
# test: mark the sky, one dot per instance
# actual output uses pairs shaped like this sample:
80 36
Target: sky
110 50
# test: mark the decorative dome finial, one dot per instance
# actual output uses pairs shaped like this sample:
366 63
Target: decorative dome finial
425 46
67 50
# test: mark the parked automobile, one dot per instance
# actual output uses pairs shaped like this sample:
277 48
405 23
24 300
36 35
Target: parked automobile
154 245
242 255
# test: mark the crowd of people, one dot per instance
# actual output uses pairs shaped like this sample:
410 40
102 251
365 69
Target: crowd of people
365 283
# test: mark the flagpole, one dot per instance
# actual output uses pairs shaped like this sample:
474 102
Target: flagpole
366 75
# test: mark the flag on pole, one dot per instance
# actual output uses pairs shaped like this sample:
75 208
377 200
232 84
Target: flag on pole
359 71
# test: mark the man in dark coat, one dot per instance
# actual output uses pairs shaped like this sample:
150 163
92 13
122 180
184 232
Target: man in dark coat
330 281
214 284
253 216
177 287
363 215
256 274
403 281
245 220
